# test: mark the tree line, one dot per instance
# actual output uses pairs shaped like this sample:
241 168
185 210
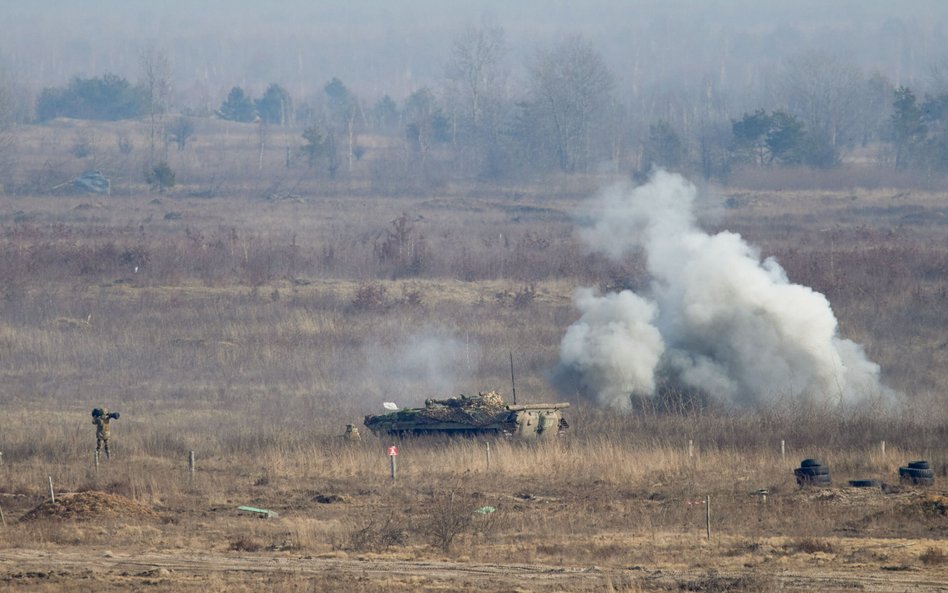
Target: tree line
563 116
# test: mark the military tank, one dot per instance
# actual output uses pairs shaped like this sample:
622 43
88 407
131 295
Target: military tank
481 414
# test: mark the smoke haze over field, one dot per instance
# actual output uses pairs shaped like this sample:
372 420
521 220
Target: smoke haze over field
427 363
717 319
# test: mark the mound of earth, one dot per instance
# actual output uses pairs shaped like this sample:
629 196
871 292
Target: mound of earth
88 506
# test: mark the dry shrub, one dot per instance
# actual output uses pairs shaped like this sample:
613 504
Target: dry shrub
376 532
449 515
525 297
809 545
584 551
933 557
370 297
245 544
715 583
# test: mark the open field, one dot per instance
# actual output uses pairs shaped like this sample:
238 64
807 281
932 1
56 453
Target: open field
251 323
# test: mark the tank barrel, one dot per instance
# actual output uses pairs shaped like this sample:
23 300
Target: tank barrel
520 407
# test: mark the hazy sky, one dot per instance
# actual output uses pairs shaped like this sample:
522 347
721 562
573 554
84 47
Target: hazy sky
395 47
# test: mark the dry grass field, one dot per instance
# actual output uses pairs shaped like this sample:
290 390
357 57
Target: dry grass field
252 311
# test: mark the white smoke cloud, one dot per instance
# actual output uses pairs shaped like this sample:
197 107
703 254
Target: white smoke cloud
427 363
614 343
716 318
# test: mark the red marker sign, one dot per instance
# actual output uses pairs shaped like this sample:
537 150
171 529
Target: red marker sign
392 451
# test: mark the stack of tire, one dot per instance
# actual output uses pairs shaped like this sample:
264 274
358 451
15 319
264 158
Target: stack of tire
812 472
918 473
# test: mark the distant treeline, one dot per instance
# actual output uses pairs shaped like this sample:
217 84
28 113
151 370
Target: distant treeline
565 116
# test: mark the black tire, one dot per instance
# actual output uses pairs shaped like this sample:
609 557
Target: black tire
814 471
917 481
865 483
920 464
819 480
811 463
912 472
96 412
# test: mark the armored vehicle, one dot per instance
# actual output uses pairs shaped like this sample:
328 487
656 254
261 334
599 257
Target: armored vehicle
482 414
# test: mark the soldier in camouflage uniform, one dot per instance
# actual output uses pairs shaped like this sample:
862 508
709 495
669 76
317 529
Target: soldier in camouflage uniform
352 433
101 418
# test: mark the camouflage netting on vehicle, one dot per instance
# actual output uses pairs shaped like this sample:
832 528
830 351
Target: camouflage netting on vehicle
469 410
474 410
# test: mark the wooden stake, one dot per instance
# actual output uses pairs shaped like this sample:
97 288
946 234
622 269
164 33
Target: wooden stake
96 462
691 450
783 450
191 461
52 495
488 456
883 450
394 466
707 511
2 520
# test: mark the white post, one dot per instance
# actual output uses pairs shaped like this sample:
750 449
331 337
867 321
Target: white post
96 462
2 520
52 495
191 461
488 456
691 449
783 450
394 466
883 450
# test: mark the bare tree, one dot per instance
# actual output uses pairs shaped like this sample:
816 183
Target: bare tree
823 91
475 70
181 130
156 83
7 121
263 133
474 93
570 88
345 113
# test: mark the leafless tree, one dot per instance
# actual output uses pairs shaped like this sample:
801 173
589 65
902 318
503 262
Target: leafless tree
156 82
474 93
7 121
475 70
823 91
263 133
570 87
181 130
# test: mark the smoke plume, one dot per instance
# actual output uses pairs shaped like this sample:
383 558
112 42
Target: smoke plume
426 363
716 320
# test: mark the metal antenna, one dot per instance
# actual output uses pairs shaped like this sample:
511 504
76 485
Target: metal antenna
513 384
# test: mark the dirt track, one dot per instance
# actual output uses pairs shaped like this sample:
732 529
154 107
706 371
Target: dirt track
22 565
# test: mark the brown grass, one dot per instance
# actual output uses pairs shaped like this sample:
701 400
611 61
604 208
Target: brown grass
255 329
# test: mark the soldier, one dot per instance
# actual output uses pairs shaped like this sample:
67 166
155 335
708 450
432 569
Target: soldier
352 433
101 418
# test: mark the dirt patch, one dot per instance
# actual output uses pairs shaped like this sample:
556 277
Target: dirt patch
88 506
